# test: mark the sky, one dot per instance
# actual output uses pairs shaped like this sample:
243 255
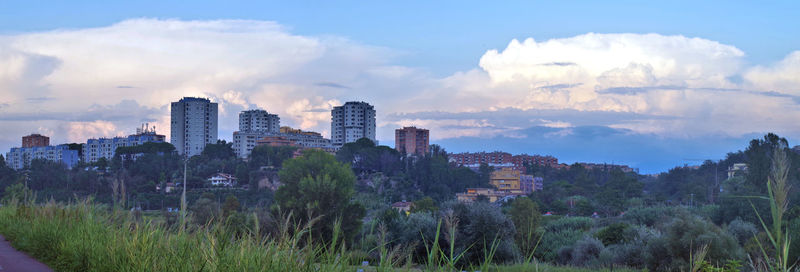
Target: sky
651 85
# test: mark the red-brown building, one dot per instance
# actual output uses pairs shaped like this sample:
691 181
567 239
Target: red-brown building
502 159
411 140
35 140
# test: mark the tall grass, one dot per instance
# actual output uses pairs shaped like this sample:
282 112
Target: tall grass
86 237
83 236
778 235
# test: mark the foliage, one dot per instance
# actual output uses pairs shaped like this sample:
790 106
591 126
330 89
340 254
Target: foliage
742 230
778 190
476 227
274 156
526 217
366 157
684 234
426 204
16 191
616 233
316 185
230 206
205 209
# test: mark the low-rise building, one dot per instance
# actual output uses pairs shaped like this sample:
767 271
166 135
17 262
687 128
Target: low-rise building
222 180
403 206
737 169
245 142
507 179
501 159
491 195
94 149
21 157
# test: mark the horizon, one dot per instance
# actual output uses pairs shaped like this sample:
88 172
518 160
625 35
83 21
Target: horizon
610 83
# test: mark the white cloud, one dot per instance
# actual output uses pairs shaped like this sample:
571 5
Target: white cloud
70 80
783 77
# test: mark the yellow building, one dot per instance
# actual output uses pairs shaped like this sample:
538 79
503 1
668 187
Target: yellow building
472 195
506 179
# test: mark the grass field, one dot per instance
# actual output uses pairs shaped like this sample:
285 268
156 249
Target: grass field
88 237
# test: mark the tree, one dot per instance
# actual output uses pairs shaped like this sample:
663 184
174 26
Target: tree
526 217
230 206
205 209
17 191
222 150
317 185
265 155
617 189
425 204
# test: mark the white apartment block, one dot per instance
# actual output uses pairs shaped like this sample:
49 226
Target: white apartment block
21 157
352 121
94 149
259 120
193 125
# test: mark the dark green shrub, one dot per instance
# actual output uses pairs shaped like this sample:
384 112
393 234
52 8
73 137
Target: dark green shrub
742 230
616 233
586 251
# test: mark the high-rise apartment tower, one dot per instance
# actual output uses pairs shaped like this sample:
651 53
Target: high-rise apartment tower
411 140
259 120
352 121
193 125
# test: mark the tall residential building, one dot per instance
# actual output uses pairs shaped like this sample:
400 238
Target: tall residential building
259 120
94 149
411 140
35 140
21 157
193 125
352 121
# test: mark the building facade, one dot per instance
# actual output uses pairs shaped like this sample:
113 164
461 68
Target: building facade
94 149
506 179
259 120
500 159
245 142
411 140
35 140
193 125
21 157
352 121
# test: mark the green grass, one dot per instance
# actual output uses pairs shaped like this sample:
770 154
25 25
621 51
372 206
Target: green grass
87 237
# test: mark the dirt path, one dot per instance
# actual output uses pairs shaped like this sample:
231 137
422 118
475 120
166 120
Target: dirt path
13 260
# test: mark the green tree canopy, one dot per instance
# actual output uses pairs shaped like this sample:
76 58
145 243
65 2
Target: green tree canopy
265 155
317 185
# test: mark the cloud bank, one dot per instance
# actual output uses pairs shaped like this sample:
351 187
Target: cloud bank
105 81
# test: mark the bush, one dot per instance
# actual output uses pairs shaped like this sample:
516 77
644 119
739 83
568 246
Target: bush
616 233
586 251
742 230
553 241
685 234
649 216
479 226
570 223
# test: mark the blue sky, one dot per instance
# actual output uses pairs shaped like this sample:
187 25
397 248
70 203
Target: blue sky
524 76
446 36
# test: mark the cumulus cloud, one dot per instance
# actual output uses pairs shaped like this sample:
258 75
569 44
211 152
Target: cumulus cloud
105 81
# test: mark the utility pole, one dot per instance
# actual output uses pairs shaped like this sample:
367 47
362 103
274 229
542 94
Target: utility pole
183 196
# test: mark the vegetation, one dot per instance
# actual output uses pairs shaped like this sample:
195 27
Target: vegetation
312 211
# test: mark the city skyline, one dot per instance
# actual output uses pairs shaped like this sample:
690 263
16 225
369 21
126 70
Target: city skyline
610 86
